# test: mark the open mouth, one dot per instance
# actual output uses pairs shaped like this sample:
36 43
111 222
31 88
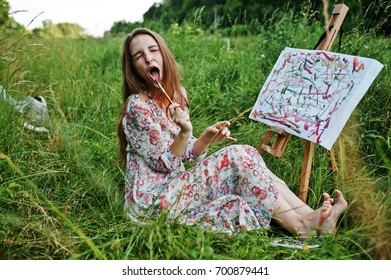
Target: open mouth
155 73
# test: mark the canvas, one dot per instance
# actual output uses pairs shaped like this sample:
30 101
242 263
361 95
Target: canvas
312 93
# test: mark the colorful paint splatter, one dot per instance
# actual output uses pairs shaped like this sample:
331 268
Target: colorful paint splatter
312 93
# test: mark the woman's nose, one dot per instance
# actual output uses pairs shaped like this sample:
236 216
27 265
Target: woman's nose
148 57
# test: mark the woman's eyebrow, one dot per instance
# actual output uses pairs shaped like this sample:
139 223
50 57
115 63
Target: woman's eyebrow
156 45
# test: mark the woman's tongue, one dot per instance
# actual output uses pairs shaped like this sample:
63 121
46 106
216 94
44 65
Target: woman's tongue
155 74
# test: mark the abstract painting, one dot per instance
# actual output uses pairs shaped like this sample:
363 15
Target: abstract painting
312 93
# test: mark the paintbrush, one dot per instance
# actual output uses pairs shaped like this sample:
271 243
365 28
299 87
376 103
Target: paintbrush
165 93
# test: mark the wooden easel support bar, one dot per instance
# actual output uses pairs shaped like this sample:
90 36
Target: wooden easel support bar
332 29
337 18
279 144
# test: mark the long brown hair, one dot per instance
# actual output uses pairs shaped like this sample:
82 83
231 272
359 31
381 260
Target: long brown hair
133 83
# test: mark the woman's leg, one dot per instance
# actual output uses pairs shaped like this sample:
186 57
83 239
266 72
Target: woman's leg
297 217
301 220
294 203
238 171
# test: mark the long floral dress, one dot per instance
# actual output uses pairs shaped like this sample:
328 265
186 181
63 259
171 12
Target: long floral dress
229 191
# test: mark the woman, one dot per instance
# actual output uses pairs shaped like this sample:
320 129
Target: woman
228 191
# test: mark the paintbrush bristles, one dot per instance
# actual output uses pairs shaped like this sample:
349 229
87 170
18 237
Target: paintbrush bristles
165 93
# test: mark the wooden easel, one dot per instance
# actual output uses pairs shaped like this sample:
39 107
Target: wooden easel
280 143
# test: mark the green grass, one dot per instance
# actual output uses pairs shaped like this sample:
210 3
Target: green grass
61 193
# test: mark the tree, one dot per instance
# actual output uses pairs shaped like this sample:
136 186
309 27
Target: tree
369 13
121 28
4 12
7 23
64 29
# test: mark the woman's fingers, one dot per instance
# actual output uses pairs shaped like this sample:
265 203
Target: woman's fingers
177 113
220 131
173 107
226 133
180 117
222 124
231 139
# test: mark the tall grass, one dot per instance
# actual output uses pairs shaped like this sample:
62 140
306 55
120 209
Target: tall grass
61 193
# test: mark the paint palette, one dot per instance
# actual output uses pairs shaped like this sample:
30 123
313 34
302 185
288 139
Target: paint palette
293 243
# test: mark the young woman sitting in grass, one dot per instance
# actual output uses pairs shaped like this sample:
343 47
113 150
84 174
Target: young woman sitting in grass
229 191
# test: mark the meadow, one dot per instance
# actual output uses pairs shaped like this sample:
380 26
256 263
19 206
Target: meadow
61 192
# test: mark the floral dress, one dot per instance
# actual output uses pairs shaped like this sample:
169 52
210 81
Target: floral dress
229 191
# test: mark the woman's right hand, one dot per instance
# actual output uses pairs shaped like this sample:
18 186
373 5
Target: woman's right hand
180 117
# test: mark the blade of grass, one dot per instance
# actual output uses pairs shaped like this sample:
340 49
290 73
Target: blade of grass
98 253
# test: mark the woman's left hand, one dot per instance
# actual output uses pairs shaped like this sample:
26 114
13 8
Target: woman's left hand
218 132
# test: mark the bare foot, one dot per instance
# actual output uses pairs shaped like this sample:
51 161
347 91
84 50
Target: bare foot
330 223
326 209
316 219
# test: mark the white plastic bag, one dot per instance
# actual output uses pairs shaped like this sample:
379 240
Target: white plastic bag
33 109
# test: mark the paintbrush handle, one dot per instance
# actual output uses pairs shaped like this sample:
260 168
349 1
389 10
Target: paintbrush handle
165 93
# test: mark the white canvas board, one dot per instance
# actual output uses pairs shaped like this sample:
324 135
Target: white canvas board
312 93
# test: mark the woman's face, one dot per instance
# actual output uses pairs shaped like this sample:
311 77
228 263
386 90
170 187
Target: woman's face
147 58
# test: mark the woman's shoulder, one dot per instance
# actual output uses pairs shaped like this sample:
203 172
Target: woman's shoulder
185 97
137 102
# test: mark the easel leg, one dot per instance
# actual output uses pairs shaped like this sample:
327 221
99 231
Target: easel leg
333 160
306 170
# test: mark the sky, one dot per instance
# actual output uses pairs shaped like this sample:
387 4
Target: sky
95 16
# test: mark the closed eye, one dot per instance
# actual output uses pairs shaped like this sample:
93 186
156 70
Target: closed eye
154 48
137 55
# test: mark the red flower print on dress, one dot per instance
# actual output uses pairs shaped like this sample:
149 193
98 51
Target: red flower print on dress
154 137
259 193
163 203
229 205
196 197
163 123
140 182
224 163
